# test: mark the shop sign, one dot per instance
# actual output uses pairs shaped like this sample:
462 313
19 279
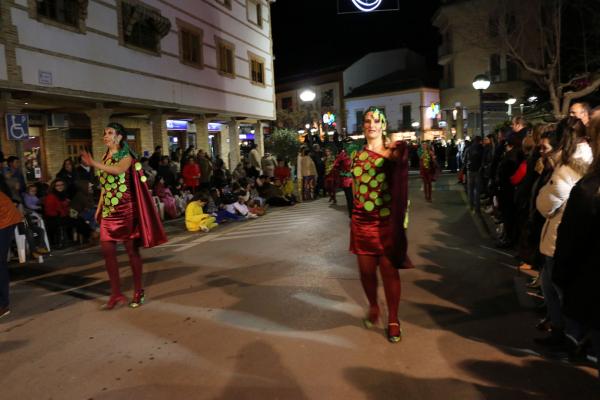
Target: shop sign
366 6
433 111
214 127
45 78
177 125
329 118
17 126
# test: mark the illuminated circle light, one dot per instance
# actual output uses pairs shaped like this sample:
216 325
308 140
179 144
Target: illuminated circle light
367 5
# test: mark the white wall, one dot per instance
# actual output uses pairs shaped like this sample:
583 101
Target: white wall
95 62
377 65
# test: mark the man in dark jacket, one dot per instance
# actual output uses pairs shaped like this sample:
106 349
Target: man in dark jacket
155 158
164 170
473 161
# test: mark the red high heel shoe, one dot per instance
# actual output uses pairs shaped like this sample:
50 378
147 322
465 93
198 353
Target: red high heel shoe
138 299
115 300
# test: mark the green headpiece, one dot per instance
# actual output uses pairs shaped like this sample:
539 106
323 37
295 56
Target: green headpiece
380 115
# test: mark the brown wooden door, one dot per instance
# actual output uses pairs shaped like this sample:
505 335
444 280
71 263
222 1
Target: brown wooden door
75 147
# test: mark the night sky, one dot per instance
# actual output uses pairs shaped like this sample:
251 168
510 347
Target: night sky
309 34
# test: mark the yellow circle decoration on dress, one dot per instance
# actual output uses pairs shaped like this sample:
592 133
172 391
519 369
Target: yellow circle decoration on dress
369 206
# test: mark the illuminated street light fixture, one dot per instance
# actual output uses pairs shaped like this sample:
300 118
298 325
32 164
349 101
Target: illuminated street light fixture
307 126
415 125
510 102
532 99
307 95
481 83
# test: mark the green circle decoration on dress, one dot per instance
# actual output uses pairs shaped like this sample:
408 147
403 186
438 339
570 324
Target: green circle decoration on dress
372 172
357 171
365 178
353 154
109 195
379 162
373 195
367 166
114 185
106 201
107 186
378 201
362 199
384 212
369 206
380 177
373 183
114 201
121 180
102 181
110 179
138 166
143 179
363 189
122 188
119 195
363 156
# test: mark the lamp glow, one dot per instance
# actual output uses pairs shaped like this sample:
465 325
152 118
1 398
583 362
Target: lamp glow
510 101
481 82
307 95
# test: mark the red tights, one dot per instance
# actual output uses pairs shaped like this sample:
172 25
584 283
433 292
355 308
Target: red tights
427 189
109 250
391 282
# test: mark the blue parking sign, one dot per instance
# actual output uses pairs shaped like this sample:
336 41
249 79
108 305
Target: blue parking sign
17 126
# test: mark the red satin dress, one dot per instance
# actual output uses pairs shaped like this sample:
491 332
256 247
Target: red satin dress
119 221
371 228
380 193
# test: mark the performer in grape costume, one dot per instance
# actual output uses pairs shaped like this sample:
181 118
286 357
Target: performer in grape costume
126 212
379 218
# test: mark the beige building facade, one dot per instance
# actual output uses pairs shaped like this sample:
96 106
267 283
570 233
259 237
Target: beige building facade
165 69
470 48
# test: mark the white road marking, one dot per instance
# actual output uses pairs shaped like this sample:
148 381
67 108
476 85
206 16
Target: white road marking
232 237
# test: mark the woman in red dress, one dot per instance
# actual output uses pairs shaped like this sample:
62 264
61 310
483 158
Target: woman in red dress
427 169
379 218
125 212
343 166
191 174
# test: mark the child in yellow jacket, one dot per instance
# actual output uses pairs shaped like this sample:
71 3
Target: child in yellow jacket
195 218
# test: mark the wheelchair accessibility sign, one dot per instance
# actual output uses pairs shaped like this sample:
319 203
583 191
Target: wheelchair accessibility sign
17 126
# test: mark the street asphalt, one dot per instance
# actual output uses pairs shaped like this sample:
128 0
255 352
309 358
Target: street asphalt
272 308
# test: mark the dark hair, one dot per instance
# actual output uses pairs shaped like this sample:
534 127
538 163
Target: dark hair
120 129
10 159
157 148
4 187
374 109
594 132
144 159
572 130
553 138
202 195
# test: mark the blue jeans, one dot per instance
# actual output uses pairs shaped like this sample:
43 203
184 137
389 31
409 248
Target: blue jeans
552 295
6 237
474 188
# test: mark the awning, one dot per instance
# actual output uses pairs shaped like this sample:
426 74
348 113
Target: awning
134 13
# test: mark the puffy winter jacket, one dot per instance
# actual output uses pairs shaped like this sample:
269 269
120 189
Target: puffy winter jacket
553 196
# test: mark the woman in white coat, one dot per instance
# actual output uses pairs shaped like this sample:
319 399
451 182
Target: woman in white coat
575 159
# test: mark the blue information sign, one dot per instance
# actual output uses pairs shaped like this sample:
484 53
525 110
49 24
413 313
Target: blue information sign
17 126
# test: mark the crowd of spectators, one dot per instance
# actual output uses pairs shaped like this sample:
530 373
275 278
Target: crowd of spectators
540 186
185 182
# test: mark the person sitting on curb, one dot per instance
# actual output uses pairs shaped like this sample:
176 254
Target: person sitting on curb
195 217
240 207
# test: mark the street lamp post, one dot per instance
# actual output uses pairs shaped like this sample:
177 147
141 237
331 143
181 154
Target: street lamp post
511 101
481 83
